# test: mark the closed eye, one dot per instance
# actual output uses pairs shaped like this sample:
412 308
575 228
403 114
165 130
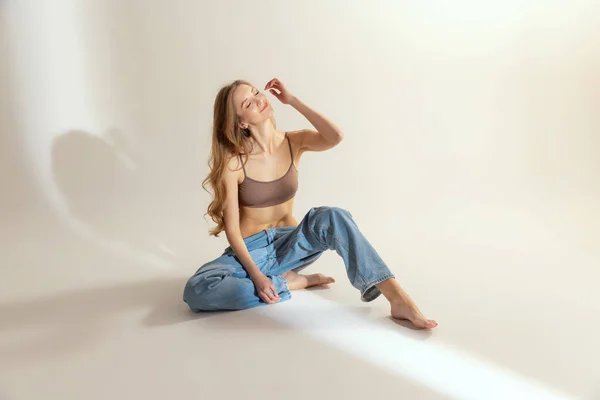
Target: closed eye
256 94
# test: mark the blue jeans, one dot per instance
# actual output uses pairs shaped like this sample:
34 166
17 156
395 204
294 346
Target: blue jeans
223 284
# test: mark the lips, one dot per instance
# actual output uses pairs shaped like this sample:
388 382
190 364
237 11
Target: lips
264 107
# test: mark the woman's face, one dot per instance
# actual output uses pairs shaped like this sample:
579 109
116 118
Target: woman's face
251 106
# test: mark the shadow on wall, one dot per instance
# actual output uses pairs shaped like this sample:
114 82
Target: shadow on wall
122 199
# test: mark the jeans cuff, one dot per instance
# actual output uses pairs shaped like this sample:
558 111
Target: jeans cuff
281 284
371 292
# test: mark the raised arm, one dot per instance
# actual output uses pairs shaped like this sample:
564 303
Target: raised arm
265 288
326 136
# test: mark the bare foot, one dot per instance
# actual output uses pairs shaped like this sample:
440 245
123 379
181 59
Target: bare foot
408 310
403 307
297 281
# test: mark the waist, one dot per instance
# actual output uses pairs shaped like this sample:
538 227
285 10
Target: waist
262 238
255 222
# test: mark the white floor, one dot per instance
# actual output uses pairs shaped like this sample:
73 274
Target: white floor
470 161
517 320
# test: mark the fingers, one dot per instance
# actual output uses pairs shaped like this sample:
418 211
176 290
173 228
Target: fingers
265 289
275 292
276 88
270 83
269 295
272 293
274 93
273 83
265 298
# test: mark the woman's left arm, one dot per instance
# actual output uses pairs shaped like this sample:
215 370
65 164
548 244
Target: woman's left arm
327 135
326 128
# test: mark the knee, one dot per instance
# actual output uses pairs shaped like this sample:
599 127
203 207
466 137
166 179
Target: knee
193 294
200 288
331 213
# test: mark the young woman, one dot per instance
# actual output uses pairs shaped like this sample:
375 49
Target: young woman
255 177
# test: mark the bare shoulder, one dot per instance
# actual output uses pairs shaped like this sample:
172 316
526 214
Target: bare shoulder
297 136
233 168
304 140
297 139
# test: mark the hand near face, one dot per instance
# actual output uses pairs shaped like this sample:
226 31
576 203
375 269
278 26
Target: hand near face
278 89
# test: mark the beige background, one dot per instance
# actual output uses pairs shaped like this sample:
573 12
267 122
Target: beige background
470 161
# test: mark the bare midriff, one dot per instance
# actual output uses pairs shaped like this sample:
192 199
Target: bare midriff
255 220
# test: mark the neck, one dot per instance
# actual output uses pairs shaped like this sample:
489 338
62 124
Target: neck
266 137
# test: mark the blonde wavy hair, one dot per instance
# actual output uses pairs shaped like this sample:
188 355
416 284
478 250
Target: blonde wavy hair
228 140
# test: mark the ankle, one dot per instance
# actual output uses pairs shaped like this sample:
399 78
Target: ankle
393 292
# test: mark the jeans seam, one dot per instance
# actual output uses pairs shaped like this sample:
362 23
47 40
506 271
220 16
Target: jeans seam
255 262
296 237
335 237
274 255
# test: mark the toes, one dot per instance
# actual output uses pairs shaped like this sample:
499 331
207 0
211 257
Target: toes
424 323
431 324
324 280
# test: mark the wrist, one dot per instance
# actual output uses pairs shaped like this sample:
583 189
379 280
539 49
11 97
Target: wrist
255 274
294 102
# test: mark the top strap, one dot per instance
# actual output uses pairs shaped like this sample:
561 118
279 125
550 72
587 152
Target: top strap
290 146
242 162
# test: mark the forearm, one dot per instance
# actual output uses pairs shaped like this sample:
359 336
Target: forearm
326 128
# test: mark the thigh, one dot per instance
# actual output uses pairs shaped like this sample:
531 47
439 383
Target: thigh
294 251
261 257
